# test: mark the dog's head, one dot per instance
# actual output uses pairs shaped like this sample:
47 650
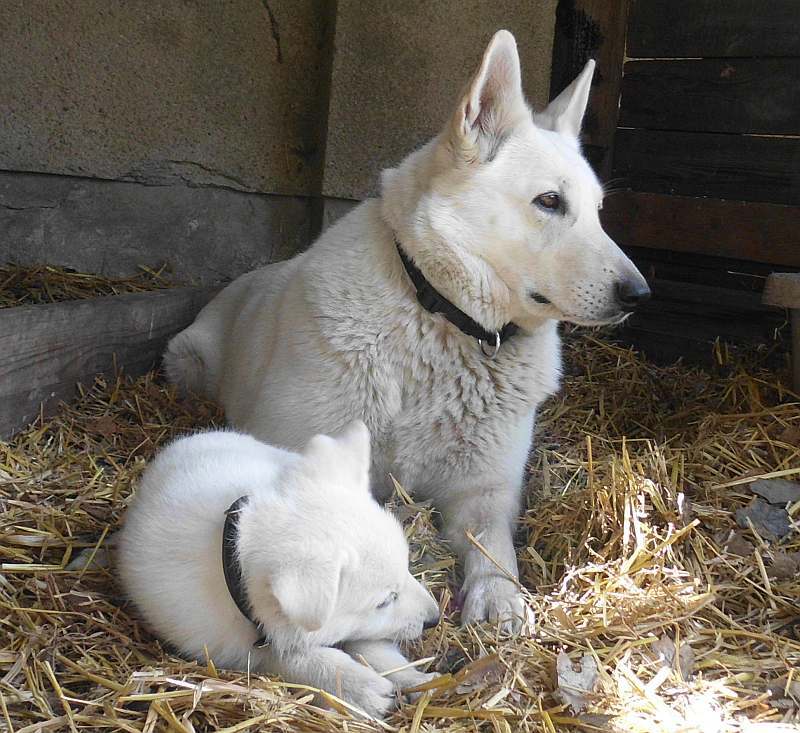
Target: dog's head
501 210
324 562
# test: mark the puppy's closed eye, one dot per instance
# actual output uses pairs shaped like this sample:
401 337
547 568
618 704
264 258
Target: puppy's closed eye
391 598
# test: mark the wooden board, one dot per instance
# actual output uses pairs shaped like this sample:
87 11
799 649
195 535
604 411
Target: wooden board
754 96
737 229
683 321
718 272
592 29
45 350
739 167
705 28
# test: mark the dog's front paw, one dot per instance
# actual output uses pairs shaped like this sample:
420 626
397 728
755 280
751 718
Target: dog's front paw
495 599
367 690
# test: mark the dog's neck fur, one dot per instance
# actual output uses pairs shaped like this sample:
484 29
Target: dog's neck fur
469 283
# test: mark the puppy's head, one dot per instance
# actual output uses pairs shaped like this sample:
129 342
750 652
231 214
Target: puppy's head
501 211
323 562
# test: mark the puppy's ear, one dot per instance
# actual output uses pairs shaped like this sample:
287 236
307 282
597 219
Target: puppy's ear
346 456
307 593
565 113
493 103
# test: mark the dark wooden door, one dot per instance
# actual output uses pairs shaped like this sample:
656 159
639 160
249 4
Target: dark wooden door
704 151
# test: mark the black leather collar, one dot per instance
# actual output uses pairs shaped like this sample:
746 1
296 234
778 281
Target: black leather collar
434 302
232 569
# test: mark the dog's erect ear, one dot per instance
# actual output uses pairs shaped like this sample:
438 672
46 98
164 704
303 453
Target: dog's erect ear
307 592
493 103
565 113
346 456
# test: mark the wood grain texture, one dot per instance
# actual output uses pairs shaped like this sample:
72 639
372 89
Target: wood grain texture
705 28
592 29
683 320
759 232
45 350
737 167
758 96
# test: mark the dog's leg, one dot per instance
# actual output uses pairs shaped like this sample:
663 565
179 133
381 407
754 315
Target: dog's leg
336 672
384 656
490 589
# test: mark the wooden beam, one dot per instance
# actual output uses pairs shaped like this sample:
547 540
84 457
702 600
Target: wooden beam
783 289
736 229
45 350
753 96
737 167
705 28
595 29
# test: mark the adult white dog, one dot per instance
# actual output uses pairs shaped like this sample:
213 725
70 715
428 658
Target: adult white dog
263 559
431 313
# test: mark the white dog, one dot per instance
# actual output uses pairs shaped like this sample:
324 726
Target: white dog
431 313
304 559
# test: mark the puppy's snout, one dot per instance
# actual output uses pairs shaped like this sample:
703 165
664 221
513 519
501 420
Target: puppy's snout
431 621
631 293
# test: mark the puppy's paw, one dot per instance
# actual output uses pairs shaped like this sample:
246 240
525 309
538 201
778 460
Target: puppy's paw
411 678
367 690
91 559
495 599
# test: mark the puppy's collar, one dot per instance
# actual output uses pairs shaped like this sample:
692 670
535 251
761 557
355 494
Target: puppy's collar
434 302
233 570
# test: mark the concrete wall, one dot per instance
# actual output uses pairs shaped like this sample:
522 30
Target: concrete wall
399 68
217 135
203 92
205 234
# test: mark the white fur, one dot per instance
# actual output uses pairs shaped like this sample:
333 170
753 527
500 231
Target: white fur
318 556
304 346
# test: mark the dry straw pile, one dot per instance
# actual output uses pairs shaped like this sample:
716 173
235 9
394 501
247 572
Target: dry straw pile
653 611
46 284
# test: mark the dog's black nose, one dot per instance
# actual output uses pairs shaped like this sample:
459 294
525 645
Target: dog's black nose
631 293
431 622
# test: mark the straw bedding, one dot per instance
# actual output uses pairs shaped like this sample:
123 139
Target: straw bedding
636 570
37 284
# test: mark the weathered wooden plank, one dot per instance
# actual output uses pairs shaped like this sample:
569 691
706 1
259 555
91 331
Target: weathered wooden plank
713 95
592 29
737 167
736 229
690 267
683 320
45 350
704 28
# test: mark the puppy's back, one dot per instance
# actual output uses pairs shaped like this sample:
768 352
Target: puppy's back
170 546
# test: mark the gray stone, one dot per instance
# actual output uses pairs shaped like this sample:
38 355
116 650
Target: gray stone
777 490
770 521
399 68
206 235
230 93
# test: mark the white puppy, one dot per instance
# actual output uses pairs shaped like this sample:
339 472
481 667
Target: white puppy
432 314
308 560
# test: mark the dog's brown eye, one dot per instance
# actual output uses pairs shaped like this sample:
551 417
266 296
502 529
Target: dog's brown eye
550 201
391 598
